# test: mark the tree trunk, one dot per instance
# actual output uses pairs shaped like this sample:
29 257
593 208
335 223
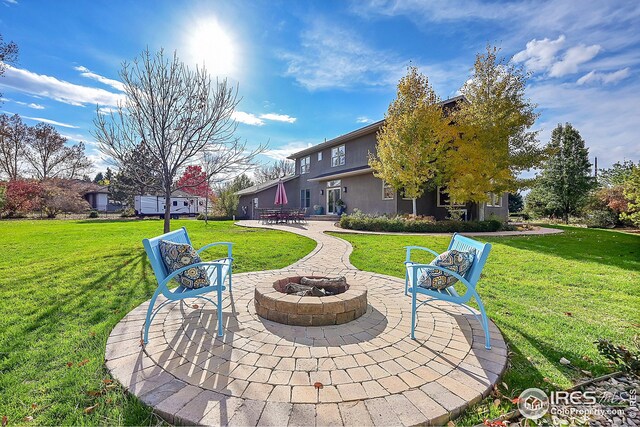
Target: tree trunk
415 209
565 217
167 210
481 211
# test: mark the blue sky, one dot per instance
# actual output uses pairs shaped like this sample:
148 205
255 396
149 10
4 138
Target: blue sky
313 70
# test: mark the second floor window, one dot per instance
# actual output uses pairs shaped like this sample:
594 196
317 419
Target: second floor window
337 156
304 164
319 156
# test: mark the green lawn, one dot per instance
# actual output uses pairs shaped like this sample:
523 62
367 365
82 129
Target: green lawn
65 284
552 297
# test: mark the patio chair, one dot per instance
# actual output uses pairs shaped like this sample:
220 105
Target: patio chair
469 280
218 271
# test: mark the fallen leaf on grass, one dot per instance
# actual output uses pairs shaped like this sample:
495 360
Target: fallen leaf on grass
496 403
34 406
90 409
95 393
587 359
28 419
5 420
109 401
110 386
568 313
587 373
69 364
318 385
515 400
107 381
92 334
84 362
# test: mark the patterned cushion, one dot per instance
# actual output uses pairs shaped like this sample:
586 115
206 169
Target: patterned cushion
178 255
453 260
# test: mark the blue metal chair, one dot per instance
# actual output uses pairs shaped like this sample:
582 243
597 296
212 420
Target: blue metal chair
218 271
470 280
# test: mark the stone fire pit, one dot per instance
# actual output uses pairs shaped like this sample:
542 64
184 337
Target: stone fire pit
272 303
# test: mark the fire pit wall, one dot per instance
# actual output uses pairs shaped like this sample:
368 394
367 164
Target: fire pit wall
272 304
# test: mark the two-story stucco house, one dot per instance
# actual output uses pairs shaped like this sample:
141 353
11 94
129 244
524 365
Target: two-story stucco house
338 169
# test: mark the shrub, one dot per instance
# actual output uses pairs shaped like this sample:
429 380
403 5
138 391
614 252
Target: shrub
93 214
626 360
202 217
128 213
359 221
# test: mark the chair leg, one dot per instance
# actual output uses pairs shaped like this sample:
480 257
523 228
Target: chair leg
406 282
413 315
220 327
485 323
229 277
147 322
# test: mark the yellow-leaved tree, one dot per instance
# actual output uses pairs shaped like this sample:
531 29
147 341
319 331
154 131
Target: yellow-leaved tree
414 138
495 142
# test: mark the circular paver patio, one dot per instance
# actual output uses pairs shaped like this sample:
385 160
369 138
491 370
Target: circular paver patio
365 372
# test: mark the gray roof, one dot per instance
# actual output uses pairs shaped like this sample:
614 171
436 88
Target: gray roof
264 185
373 127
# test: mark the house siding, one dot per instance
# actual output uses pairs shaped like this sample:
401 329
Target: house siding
364 190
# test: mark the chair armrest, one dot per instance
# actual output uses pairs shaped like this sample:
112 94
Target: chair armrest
186 267
416 267
228 244
420 248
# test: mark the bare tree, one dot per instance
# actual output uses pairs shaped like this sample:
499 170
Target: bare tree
278 169
180 114
49 157
8 55
14 135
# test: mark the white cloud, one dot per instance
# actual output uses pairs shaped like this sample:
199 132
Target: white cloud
278 117
363 119
335 57
572 58
247 118
107 110
539 55
85 72
50 87
35 106
606 78
11 1
283 151
51 122
253 120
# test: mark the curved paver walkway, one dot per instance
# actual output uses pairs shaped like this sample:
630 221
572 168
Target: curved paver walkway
365 372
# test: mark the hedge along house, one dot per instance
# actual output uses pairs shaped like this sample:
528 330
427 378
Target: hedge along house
338 169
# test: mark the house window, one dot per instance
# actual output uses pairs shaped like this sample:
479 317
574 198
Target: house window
495 200
334 183
175 203
186 203
388 192
443 198
305 163
319 155
337 156
305 198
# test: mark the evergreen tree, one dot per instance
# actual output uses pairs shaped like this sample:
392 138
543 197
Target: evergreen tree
516 203
566 175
